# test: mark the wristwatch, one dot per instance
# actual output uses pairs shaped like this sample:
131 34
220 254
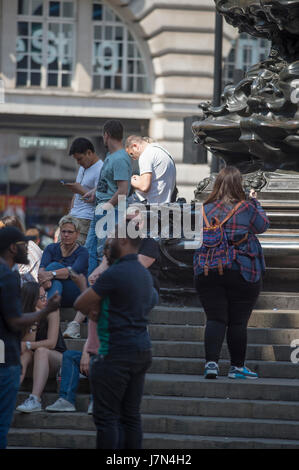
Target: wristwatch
28 345
54 274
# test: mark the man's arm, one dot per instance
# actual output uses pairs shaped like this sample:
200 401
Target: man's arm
19 322
142 183
146 261
88 303
122 190
76 188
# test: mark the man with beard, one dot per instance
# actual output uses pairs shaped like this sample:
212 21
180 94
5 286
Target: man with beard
13 249
124 295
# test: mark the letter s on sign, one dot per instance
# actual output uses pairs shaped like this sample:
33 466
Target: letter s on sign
294 357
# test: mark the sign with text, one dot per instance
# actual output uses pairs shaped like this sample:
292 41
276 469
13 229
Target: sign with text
57 143
12 203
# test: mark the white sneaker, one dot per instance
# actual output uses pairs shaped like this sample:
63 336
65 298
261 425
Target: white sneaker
72 330
61 405
30 405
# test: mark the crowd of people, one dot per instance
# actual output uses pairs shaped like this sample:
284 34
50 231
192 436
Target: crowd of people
112 282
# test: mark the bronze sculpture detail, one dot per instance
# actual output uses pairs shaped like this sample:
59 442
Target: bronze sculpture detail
257 125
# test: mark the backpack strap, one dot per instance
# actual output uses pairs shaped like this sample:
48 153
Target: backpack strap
231 213
205 217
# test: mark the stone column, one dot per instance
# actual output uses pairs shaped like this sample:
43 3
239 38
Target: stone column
82 81
8 42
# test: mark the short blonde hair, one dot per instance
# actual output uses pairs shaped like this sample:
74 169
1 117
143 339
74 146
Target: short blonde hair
68 219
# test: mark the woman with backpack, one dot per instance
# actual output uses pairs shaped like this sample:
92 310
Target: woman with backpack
228 270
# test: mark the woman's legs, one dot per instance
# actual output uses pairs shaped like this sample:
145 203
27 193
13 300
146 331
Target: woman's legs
26 359
213 299
46 362
242 297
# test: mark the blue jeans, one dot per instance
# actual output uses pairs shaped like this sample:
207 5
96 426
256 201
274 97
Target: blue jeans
66 288
9 387
117 383
70 374
95 245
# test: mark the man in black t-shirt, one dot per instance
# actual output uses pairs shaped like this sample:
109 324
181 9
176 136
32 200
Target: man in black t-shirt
13 249
124 295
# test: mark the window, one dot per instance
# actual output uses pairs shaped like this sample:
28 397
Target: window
117 61
245 52
45 38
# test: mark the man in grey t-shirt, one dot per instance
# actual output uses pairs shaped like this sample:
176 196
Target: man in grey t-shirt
157 178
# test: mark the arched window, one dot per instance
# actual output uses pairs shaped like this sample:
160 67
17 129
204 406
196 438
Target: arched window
45 38
117 60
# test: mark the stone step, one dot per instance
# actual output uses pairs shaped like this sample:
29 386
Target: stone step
183 441
261 318
229 427
195 386
187 296
170 424
23 438
45 420
280 318
196 349
196 333
193 366
187 406
259 352
271 336
222 407
52 438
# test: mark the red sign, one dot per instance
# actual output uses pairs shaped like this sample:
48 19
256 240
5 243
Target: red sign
12 202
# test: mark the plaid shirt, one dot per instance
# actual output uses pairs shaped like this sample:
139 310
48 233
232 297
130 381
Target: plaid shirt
249 218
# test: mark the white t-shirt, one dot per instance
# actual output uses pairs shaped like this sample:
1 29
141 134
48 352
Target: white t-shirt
89 179
156 160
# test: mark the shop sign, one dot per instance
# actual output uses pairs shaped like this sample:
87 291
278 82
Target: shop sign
57 143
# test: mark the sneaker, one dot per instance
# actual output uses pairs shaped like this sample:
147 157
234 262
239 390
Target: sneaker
241 373
30 405
72 331
211 370
90 408
61 405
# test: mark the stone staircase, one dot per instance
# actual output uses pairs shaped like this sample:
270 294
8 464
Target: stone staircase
181 410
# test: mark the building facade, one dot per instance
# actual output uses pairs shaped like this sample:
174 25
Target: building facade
68 66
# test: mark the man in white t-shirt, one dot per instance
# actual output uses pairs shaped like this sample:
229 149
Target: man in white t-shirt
82 150
157 179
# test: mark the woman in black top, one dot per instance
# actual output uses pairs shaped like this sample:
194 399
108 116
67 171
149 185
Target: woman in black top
42 346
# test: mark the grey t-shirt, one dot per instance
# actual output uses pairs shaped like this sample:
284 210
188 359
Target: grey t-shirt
156 160
117 167
87 177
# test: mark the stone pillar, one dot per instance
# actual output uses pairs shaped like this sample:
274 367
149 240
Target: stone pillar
82 81
8 42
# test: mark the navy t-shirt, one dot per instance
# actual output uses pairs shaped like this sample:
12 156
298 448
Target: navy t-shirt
78 260
127 292
10 307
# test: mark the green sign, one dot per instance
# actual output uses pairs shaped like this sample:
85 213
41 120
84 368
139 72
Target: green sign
57 143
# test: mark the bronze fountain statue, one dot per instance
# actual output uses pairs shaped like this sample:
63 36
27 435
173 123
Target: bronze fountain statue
257 125
256 128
